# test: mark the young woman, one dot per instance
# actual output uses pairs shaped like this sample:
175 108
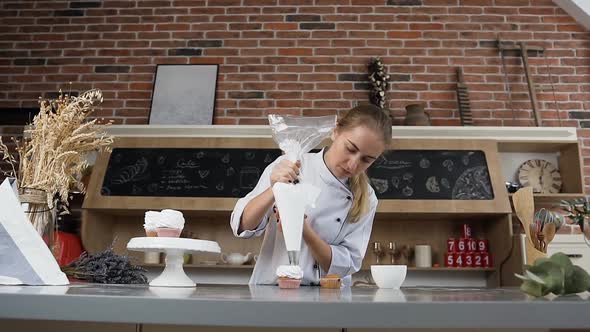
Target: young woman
336 232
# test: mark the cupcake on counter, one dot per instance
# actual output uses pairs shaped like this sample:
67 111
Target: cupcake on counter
331 281
289 276
151 223
171 223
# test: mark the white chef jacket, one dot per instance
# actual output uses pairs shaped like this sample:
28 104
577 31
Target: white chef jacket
347 240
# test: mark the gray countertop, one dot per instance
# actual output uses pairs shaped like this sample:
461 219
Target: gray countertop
225 305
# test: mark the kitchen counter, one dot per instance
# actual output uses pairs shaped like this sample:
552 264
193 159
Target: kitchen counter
268 306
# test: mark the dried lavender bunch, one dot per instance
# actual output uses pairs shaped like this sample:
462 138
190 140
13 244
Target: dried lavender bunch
105 267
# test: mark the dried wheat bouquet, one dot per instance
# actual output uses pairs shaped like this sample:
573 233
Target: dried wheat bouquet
54 150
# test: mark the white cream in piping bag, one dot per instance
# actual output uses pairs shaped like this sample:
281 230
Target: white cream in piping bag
292 200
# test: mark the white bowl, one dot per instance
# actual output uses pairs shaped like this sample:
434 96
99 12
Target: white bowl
389 276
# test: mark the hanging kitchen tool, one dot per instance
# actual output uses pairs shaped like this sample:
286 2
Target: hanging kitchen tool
506 80
463 100
530 83
552 87
523 48
545 225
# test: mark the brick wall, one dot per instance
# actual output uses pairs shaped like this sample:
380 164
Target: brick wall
304 57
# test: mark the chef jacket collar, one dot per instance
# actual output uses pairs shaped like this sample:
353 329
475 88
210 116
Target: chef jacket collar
326 174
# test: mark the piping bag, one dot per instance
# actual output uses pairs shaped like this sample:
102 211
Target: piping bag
296 136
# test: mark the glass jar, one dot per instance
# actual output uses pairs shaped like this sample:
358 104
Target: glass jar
40 214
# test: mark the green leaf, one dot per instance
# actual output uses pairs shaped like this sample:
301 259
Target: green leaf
555 275
562 260
533 277
550 273
533 288
579 281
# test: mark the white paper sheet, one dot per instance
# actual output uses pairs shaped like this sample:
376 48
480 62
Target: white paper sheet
24 256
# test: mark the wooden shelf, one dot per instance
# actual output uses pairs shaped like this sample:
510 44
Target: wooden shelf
411 268
445 269
425 216
208 266
549 199
535 146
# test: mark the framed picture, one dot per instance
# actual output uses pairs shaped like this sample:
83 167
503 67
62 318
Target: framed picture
184 94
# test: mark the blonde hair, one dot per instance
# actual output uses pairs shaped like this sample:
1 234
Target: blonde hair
374 118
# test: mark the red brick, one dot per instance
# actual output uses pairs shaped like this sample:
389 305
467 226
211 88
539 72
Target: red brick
253 121
293 103
281 26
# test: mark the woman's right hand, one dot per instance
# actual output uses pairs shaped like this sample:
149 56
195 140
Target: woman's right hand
285 171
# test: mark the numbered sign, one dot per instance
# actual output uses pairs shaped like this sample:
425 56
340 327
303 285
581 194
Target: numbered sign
459 259
482 245
468 261
450 259
477 260
461 245
471 245
466 231
487 259
451 245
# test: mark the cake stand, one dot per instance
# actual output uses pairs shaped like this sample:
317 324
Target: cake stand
175 248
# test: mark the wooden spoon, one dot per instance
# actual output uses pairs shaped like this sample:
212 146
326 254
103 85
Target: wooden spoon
549 232
524 206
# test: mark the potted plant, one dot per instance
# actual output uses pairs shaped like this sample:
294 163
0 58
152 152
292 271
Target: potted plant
578 212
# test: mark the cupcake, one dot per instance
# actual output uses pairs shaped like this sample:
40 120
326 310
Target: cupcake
289 276
331 281
171 223
151 223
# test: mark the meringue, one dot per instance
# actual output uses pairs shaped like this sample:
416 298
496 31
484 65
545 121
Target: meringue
290 271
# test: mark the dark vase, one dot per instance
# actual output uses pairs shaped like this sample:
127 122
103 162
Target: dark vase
415 116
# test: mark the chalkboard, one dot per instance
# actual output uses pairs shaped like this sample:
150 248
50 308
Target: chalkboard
185 172
431 174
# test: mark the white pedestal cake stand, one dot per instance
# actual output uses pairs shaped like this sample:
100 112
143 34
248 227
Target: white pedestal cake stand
175 248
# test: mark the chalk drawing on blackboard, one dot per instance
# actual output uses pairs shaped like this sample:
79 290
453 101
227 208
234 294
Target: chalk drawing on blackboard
432 185
249 177
473 183
225 159
382 162
395 181
200 154
203 173
465 159
250 155
136 190
424 163
448 164
187 163
132 172
408 191
219 186
445 183
193 187
161 160
267 158
380 185
153 187
230 171
408 177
